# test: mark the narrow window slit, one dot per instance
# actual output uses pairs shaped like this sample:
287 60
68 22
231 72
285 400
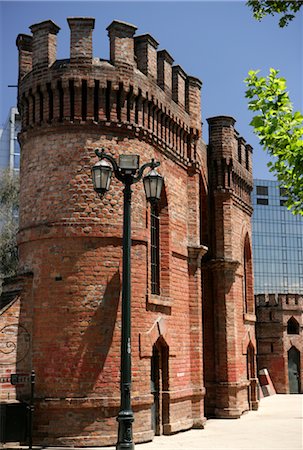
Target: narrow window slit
128 103
61 100
119 101
27 111
189 148
33 106
137 103
107 99
50 102
84 100
72 100
96 100
149 115
40 104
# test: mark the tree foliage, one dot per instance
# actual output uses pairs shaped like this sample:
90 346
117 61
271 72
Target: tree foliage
287 9
280 132
9 202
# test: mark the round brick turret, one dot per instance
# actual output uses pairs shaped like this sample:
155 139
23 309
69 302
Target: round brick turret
71 239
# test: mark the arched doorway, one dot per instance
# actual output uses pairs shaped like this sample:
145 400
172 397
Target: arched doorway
159 387
252 396
294 370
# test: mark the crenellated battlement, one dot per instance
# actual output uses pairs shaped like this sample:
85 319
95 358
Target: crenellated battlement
230 160
137 91
280 301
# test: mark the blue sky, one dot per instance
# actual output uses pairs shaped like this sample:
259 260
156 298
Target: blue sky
216 41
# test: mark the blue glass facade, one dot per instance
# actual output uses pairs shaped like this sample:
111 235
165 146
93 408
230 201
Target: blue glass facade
277 241
9 145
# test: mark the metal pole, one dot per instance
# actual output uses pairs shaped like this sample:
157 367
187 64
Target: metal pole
126 415
31 412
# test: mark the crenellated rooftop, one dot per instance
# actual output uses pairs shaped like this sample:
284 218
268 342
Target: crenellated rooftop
280 301
139 88
230 161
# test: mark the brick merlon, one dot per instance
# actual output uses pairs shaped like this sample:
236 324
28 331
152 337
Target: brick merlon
24 42
164 55
122 29
88 22
47 25
224 120
241 140
146 38
195 82
179 71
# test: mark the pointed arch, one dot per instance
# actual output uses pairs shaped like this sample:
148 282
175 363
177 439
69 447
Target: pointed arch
252 395
160 387
248 290
294 369
203 210
293 326
251 366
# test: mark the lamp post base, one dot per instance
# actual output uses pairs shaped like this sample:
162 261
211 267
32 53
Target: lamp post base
125 433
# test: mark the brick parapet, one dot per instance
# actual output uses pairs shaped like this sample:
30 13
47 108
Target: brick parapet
230 161
233 339
274 311
279 301
84 90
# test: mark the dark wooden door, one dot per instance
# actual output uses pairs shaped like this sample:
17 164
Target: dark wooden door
13 421
154 386
160 388
294 370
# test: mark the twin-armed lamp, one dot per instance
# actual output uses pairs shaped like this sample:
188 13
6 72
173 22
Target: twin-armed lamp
128 172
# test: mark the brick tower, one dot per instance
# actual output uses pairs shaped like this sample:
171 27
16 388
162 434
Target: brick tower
280 340
229 313
70 239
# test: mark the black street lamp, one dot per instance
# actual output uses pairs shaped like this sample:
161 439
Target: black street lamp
128 172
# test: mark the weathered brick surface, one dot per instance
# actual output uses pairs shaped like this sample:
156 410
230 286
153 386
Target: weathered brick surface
229 316
273 339
70 240
15 338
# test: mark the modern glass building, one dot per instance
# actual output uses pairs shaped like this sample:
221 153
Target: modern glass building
9 145
277 242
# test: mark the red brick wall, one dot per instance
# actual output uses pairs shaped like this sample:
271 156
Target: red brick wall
71 240
15 339
274 342
228 327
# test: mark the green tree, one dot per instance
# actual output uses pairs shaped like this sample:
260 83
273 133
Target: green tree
280 132
9 203
287 9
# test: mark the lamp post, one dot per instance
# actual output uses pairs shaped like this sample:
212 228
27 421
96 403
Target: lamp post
128 172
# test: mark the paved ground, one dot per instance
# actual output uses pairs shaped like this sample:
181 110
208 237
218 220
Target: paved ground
278 425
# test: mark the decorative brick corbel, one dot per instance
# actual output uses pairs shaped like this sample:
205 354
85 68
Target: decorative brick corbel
224 263
196 253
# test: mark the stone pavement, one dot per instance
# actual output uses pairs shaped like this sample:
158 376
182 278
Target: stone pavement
278 425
